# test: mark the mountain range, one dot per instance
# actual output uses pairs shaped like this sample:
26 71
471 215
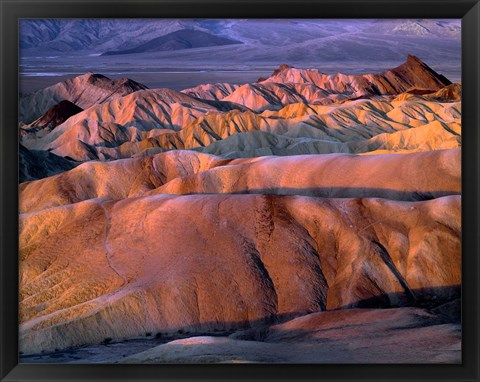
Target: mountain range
181 39
56 35
295 111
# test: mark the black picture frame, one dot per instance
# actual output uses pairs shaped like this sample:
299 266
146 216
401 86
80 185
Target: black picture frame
12 10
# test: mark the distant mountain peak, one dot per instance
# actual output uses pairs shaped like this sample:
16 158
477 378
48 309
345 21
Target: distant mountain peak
178 40
282 68
424 76
414 59
101 81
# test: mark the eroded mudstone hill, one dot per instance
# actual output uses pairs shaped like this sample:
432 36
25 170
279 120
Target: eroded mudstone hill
408 177
102 269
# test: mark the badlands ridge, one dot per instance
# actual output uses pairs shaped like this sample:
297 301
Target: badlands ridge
302 218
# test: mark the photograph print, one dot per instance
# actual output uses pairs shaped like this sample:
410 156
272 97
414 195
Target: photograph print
240 191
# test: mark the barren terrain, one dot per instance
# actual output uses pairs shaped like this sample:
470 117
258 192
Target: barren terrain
305 217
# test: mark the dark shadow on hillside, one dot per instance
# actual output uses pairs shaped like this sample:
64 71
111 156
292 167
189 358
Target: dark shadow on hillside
426 298
345 192
443 303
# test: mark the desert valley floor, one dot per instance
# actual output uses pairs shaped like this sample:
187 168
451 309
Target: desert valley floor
305 218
